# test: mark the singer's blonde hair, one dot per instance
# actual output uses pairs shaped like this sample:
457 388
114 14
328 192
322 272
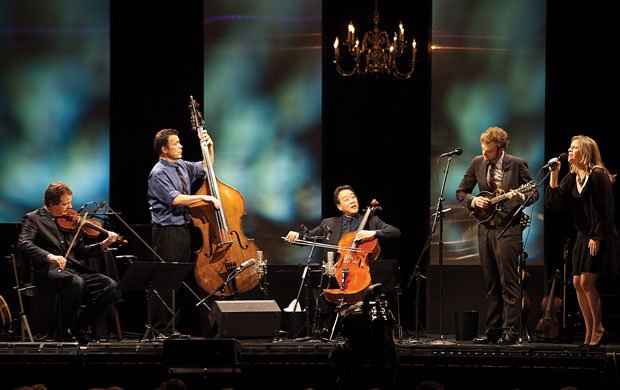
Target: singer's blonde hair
590 156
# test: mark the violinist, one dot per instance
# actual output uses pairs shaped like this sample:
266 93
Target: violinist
54 257
169 184
334 228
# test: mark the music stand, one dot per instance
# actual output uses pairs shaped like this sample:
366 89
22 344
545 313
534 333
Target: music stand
148 276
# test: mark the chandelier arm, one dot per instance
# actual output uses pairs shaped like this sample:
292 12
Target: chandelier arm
403 75
344 72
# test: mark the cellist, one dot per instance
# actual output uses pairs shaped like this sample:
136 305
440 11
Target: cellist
169 186
334 228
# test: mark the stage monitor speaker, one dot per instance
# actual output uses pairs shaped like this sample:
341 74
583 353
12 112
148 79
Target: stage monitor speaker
245 319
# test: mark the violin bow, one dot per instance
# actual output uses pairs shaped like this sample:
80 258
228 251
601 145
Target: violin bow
77 232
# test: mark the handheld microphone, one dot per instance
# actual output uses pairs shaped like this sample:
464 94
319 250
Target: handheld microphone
245 264
455 152
561 158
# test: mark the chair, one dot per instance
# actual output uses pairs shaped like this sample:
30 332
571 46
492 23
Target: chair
22 289
43 307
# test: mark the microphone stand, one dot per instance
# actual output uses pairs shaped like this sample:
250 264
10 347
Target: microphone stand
439 212
522 253
437 216
417 275
304 283
158 257
221 287
147 246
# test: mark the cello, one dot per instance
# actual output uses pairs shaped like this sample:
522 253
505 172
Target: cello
224 245
352 270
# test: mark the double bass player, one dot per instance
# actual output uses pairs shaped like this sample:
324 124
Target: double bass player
169 185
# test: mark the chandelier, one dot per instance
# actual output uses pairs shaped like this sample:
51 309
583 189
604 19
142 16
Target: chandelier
377 54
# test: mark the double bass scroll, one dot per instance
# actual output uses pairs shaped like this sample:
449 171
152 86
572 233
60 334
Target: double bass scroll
224 245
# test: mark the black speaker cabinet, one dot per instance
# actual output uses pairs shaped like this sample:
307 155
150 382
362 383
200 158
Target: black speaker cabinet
200 353
245 319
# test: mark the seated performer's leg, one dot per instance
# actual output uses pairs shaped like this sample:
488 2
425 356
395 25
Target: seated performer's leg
70 289
99 303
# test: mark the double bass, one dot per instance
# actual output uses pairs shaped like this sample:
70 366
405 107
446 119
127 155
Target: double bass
352 270
224 245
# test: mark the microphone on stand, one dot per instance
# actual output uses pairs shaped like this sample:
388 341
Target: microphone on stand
100 205
455 152
329 267
244 265
329 231
85 205
305 230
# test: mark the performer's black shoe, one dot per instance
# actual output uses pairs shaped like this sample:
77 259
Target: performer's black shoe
601 342
69 336
487 338
507 339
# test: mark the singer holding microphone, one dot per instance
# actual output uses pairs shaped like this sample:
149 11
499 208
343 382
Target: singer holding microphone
333 228
496 171
587 194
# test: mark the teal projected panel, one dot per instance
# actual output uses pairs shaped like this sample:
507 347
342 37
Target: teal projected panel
488 69
262 106
54 101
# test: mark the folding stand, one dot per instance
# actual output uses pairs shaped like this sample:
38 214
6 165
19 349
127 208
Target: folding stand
151 277
312 331
25 326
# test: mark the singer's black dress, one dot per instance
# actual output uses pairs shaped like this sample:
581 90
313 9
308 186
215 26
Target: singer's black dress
592 212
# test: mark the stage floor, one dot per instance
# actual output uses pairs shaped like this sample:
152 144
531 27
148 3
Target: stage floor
301 364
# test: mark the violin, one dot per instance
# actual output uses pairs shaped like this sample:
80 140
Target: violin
72 220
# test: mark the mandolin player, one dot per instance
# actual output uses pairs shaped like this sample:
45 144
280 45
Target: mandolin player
493 172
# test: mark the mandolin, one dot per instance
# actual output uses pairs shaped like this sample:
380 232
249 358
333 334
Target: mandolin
484 214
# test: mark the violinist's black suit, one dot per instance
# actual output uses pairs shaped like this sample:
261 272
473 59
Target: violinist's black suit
76 284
